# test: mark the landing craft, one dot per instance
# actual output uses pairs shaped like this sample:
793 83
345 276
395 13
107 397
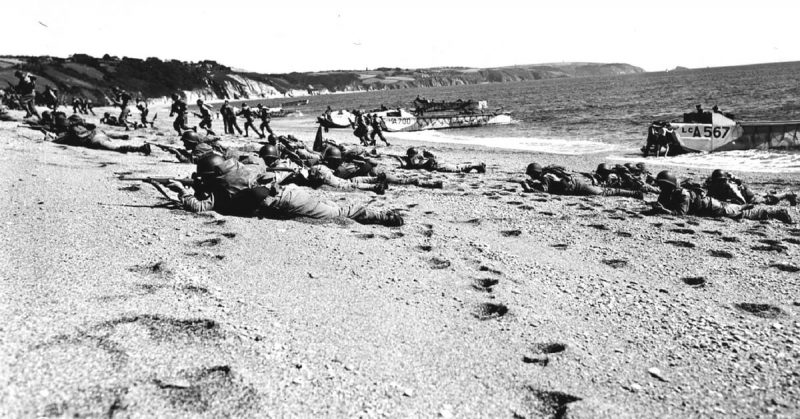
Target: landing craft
716 131
425 116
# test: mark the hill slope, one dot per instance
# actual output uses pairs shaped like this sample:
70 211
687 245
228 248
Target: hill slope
83 75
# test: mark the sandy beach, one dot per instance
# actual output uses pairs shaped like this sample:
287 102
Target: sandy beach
488 302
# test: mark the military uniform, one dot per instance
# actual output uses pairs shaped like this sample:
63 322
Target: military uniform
243 190
205 119
263 114
179 108
74 131
426 160
683 201
247 113
26 89
557 181
730 190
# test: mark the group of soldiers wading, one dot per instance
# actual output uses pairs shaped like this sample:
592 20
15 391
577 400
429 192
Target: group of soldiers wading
268 181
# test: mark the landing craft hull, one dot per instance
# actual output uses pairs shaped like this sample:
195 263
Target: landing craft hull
408 122
749 135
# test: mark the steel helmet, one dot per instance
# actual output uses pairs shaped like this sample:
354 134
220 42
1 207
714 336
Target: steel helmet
175 96
269 153
209 164
630 166
199 101
665 177
332 155
603 168
191 137
718 174
411 152
533 169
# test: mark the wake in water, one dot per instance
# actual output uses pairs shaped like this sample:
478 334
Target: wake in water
539 145
756 161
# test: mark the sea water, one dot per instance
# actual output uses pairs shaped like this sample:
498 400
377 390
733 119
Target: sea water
608 115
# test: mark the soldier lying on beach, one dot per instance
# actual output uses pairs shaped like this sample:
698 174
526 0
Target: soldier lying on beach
558 181
77 132
231 188
425 160
677 200
196 146
727 188
628 177
317 174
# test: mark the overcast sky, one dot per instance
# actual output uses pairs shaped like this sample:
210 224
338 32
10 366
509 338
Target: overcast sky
297 35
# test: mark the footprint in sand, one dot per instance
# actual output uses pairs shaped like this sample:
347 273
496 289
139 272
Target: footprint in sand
598 226
365 236
484 268
526 207
791 240
616 263
681 243
485 284
771 248
488 311
730 239
785 267
547 213
437 263
720 254
210 391
550 404
766 311
624 234
694 281
425 248
131 188
683 230
560 246
510 233
214 241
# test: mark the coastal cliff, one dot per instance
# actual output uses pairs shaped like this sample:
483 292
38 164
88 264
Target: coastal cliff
152 78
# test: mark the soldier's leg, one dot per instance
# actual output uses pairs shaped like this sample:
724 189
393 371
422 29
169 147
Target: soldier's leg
380 135
177 125
235 124
780 214
293 201
123 118
101 141
622 192
460 168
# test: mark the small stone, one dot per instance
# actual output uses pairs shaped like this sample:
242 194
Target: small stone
655 372
408 393
777 326
635 388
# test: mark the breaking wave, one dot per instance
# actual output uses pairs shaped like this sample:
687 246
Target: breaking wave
756 161
539 145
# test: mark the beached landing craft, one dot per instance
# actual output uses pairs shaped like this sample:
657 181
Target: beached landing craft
715 131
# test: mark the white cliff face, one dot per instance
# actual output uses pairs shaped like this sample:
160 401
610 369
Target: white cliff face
249 88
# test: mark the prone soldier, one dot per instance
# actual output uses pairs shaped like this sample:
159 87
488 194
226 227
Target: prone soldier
727 188
426 160
231 188
556 180
677 200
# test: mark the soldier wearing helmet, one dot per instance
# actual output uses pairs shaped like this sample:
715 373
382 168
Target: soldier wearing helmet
558 181
725 187
26 89
425 160
205 117
677 200
179 108
247 113
122 99
232 188
264 116
627 176
377 129
76 132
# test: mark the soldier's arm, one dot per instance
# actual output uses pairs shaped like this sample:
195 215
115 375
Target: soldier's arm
192 203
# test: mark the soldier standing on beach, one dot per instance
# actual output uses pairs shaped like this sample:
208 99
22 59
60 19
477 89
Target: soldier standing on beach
51 97
77 105
141 105
377 130
247 113
121 99
87 106
263 114
676 200
226 123
205 116
26 89
179 108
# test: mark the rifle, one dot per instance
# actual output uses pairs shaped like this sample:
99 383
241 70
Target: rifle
160 180
164 147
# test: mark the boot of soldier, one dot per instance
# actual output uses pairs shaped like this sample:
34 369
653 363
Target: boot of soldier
387 218
779 214
144 149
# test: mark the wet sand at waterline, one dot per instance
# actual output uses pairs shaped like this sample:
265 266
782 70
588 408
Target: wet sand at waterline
489 302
